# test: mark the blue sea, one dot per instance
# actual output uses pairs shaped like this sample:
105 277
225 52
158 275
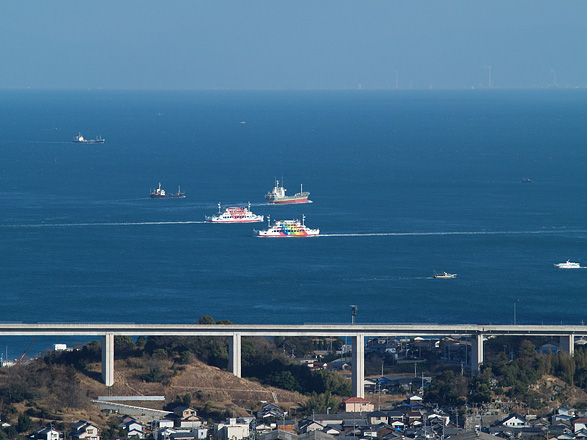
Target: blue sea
403 183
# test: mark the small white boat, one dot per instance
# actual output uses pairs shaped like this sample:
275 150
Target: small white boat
445 275
567 265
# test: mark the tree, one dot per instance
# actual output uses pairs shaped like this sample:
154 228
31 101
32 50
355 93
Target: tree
322 403
206 320
25 423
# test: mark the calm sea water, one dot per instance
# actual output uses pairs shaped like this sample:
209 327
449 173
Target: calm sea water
403 183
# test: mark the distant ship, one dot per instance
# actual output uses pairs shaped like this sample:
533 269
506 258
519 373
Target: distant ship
161 194
526 180
234 215
278 197
79 139
288 228
444 275
567 265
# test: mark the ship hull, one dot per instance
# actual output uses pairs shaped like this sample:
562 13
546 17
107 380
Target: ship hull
170 196
211 220
288 200
282 235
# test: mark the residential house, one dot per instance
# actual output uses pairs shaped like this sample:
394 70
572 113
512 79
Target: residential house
231 430
358 404
315 435
270 410
186 413
377 417
514 420
310 425
279 435
46 433
579 424
286 425
332 430
84 430
163 423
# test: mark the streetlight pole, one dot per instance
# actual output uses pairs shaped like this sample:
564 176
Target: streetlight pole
353 313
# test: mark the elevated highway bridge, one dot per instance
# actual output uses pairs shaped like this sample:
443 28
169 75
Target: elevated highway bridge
234 332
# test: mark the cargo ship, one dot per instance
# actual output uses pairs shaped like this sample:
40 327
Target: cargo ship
287 228
278 197
161 194
234 214
79 139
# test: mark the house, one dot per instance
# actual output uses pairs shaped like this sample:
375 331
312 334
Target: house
83 430
441 419
135 433
46 433
579 424
332 430
377 417
414 417
310 425
270 410
398 425
395 416
286 425
358 404
131 425
185 413
514 420
164 423
315 435
263 427
280 435
231 430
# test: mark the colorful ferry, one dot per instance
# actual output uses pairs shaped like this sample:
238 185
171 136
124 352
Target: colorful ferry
287 228
161 194
79 139
234 215
278 197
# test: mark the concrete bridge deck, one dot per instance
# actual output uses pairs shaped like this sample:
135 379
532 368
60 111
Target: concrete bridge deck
358 332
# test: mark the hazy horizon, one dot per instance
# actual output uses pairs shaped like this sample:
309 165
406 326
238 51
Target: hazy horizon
271 45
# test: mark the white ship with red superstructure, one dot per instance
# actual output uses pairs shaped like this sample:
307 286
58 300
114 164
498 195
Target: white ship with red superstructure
234 214
288 228
278 197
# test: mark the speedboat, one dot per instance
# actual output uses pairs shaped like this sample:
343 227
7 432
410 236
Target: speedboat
567 265
445 275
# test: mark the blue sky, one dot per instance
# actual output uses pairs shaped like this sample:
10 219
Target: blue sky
274 44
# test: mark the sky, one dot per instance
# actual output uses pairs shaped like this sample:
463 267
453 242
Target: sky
295 44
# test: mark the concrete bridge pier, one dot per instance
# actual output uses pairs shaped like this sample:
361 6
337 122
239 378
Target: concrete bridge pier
476 354
359 365
108 359
567 344
234 354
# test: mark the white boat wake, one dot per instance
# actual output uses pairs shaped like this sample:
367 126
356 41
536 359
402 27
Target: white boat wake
68 225
439 233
